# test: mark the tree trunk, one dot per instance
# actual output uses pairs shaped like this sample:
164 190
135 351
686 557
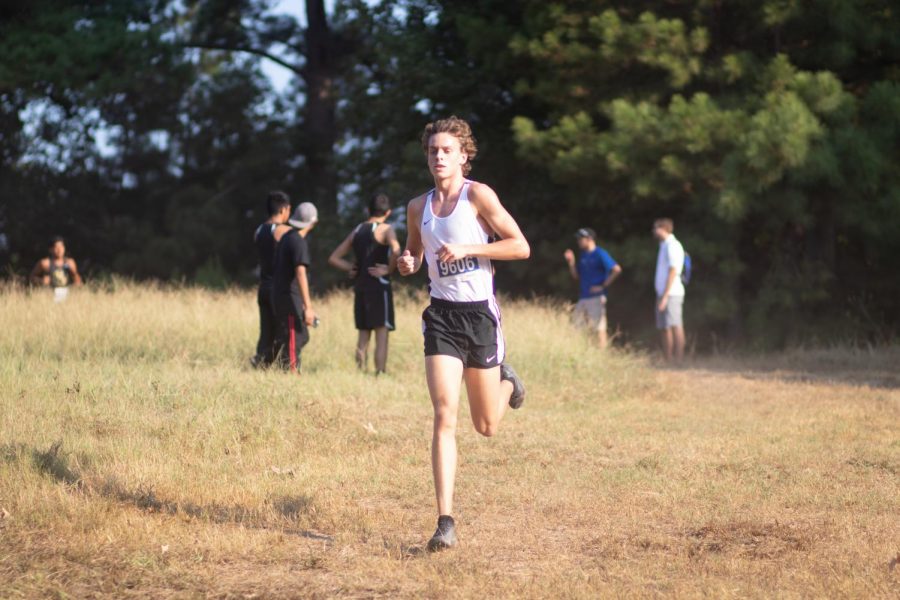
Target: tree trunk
320 127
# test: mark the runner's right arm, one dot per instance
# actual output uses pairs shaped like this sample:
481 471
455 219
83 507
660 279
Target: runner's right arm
411 260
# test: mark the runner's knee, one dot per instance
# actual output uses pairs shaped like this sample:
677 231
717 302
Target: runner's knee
485 427
444 420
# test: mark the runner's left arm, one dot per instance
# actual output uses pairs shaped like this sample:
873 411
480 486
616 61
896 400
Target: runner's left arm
512 244
76 278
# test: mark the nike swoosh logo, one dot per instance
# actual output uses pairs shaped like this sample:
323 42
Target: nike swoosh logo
427 222
491 357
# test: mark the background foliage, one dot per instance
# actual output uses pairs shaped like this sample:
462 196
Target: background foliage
145 132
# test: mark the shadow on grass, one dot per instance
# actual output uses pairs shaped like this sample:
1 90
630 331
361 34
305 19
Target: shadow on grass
47 462
55 465
51 463
875 368
754 540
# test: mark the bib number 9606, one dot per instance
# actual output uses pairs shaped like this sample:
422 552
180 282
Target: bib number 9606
457 267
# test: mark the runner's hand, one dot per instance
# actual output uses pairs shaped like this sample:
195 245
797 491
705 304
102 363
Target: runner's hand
596 289
569 256
379 270
406 263
309 317
663 302
352 272
450 252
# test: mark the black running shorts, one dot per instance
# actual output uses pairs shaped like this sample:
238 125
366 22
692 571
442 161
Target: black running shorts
469 331
374 308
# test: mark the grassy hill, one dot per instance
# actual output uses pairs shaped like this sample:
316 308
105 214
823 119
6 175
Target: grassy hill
140 456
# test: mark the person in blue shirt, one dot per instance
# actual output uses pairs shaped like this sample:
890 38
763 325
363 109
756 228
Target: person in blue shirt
595 270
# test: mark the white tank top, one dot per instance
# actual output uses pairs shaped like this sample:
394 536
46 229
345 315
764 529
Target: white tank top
469 279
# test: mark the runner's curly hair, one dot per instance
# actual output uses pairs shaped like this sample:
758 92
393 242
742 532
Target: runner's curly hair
459 129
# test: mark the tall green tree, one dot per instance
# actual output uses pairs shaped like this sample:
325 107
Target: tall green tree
426 59
67 70
768 130
152 161
317 53
765 128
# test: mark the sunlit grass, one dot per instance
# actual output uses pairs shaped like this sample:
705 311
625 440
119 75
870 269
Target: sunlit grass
139 454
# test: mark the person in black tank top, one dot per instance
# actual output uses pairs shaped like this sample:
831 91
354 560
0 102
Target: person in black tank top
265 239
375 248
57 270
369 253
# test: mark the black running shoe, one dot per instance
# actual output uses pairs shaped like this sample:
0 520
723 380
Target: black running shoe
444 536
518 394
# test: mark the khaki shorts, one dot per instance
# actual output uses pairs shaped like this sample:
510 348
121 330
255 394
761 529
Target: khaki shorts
671 317
591 313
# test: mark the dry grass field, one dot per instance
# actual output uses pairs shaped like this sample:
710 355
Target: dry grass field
140 456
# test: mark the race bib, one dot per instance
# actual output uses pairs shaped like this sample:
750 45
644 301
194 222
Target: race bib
457 267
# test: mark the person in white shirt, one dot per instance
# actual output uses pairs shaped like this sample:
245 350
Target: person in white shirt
669 289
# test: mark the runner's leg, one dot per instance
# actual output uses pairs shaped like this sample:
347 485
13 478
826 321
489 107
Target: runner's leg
362 349
266 327
602 336
488 398
381 349
280 347
299 339
444 375
272 329
667 343
579 317
678 342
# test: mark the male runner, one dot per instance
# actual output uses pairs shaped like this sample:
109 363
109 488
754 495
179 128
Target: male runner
375 247
265 238
595 271
290 288
57 270
448 229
